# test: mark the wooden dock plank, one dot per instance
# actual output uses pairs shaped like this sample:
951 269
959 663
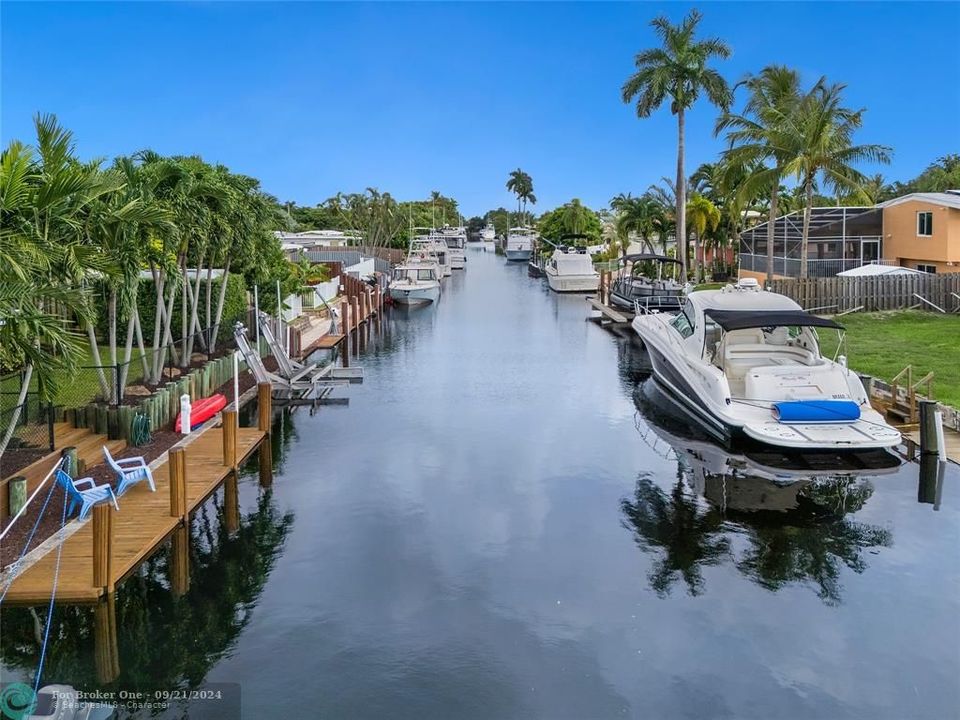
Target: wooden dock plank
140 526
608 311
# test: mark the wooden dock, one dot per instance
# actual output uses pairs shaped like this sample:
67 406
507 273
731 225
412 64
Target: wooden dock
608 312
112 544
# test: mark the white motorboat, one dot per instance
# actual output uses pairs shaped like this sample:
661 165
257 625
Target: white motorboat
747 362
489 232
456 241
650 280
570 269
519 243
415 282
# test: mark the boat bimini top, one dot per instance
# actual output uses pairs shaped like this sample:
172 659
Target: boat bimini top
745 319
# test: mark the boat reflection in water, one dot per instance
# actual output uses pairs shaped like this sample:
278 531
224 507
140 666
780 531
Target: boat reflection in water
777 518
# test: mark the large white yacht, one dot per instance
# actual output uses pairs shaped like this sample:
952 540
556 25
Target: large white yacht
748 362
570 269
415 282
519 243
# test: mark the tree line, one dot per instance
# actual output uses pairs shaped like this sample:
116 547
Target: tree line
78 239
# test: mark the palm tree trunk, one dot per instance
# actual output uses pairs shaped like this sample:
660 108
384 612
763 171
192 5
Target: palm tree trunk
771 221
95 354
681 196
808 191
223 294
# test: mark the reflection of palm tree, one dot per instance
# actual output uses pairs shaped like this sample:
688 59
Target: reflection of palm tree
688 537
811 543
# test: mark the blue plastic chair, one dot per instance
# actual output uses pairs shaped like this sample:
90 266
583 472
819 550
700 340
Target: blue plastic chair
129 471
94 495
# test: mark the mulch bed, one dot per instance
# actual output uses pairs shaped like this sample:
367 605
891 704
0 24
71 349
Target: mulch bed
160 442
15 460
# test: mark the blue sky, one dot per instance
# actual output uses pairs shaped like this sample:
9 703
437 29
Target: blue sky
313 98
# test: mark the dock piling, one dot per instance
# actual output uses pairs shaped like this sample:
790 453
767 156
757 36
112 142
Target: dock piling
266 463
929 436
103 547
264 406
230 438
177 463
16 494
345 323
105 649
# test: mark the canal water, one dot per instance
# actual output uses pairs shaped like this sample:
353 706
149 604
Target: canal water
510 521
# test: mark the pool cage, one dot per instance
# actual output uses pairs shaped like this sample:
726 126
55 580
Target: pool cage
841 238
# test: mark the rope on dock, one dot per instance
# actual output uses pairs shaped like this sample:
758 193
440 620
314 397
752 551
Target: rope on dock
53 596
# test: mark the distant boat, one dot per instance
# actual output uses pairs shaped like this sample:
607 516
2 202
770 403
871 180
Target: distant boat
415 282
488 233
456 240
519 243
570 269
747 362
433 246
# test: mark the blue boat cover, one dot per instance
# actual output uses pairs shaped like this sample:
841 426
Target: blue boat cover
816 411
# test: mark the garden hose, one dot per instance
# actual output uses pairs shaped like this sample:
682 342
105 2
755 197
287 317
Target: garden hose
140 429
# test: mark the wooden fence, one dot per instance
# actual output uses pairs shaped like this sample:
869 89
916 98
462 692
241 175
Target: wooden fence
890 292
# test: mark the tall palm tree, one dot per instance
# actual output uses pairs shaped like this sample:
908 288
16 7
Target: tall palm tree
825 130
764 135
521 184
678 70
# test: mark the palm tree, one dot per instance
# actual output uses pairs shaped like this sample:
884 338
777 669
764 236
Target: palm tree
641 215
826 151
678 70
765 133
521 185
704 217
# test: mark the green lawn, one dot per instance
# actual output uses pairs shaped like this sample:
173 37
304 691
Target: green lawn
883 343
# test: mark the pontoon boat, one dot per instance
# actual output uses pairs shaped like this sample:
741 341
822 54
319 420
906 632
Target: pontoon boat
648 280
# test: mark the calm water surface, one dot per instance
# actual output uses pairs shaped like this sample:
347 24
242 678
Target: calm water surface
504 524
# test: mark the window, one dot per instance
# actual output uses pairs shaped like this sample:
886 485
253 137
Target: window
925 223
927 268
682 325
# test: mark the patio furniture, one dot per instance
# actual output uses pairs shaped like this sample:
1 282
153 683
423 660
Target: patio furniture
86 497
129 471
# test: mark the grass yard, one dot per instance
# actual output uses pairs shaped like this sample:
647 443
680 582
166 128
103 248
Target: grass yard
883 343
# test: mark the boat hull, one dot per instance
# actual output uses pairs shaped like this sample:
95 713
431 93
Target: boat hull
517 255
863 434
416 296
573 283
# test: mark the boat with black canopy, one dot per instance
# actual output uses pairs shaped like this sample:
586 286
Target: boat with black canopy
747 362
646 282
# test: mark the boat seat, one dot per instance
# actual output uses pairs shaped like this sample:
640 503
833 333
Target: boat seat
740 358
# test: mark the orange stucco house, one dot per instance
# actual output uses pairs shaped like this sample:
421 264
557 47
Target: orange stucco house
922 231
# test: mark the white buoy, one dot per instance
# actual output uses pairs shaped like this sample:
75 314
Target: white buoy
185 408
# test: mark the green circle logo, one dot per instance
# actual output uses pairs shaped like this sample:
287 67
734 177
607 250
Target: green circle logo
17 700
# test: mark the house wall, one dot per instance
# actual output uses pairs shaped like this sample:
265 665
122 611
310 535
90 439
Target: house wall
902 244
